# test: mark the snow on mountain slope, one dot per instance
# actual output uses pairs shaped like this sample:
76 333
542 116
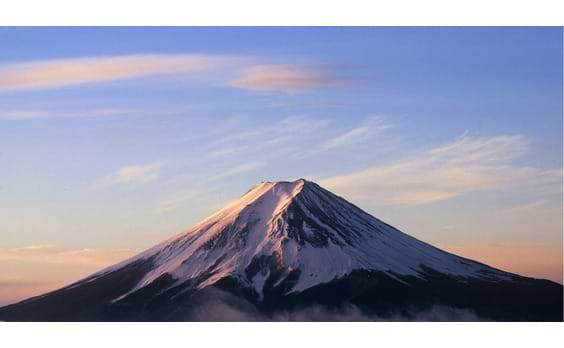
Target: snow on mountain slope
294 228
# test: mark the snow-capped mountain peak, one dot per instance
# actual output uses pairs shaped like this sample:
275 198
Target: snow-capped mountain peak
296 232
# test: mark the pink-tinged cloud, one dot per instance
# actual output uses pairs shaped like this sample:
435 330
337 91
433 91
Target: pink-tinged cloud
75 71
281 78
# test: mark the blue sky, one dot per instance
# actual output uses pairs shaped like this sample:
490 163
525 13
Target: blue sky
112 139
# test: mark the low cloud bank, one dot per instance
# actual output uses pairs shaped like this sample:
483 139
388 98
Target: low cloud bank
223 306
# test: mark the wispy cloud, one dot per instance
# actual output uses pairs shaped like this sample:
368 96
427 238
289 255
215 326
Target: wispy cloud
282 78
301 124
202 190
74 71
178 199
465 165
285 131
237 150
531 207
131 175
204 199
260 144
35 247
368 129
56 255
238 169
49 114
227 151
346 138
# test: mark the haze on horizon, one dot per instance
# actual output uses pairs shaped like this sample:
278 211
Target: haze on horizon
114 139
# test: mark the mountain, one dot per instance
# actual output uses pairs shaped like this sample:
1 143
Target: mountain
284 247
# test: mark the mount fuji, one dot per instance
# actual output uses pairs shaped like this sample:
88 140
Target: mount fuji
284 247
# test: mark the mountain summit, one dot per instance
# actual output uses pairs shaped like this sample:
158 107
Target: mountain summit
298 232
286 245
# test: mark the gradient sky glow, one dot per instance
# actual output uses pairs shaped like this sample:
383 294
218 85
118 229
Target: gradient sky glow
113 139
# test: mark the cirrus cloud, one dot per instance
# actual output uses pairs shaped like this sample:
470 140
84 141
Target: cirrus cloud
444 172
370 128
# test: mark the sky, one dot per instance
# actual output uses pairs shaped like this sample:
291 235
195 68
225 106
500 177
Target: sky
114 139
